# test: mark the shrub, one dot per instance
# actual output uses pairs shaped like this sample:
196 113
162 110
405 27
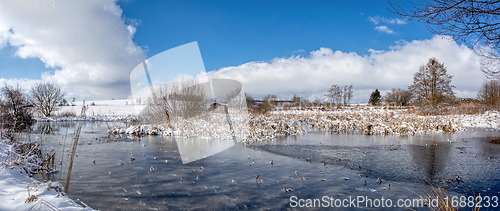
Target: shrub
398 97
490 93
16 106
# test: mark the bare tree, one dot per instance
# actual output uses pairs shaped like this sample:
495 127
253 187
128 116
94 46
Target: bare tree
476 22
296 100
432 84
334 94
398 97
16 105
46 97
490 93
270 100
337 95
179 99
348 94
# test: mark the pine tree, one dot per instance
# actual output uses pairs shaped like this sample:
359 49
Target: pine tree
375 98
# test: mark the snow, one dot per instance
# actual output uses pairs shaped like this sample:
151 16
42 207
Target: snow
283 122
16 187
489 119
105 110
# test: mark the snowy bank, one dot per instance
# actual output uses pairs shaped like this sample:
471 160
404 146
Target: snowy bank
88 118
18 191
367 120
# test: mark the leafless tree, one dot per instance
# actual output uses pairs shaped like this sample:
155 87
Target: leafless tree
490 93
46 97
476 22
296 100
333 94
179 99
432 84
337 95
270 100
398 97
16 105
348 94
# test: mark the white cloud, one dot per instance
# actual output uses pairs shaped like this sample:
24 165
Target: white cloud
311 76
378 19
384 29
87 42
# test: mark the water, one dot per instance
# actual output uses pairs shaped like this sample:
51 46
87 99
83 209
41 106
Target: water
328 163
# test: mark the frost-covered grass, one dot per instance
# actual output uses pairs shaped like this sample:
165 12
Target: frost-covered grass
21 192
281 122
373 120
365 119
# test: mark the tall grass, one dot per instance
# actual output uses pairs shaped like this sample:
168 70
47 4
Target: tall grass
439 199
73 148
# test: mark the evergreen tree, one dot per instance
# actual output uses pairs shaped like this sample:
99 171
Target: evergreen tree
374 98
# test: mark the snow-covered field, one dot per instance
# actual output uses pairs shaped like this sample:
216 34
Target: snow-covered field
106 110
20 192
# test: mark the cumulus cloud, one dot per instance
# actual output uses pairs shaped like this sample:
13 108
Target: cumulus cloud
311 76
88 43
378 19
384 29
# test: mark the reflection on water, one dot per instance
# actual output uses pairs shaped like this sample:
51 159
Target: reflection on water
430 159
426 158
195 149
148 172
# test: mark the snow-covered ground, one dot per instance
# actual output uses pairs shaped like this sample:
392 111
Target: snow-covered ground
104 110
20 192
489 119
118 110
369 120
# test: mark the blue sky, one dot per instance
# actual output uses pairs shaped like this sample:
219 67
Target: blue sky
90 47
235 32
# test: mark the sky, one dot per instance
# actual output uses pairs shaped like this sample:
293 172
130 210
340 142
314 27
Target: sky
272 47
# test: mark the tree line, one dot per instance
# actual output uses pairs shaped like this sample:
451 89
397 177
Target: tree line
432 86
18 106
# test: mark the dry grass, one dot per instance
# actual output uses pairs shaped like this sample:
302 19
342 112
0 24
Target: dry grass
372 120
439 199
369 120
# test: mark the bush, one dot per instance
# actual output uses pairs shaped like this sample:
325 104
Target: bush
16 108
490 93
398 97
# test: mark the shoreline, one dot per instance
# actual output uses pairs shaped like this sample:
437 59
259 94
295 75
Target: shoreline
22 192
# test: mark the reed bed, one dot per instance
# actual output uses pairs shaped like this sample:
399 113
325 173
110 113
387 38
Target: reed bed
366 120
374 121
29 157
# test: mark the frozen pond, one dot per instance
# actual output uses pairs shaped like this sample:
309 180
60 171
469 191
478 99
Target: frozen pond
314 165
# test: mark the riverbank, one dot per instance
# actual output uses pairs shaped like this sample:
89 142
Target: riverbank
18 191
366 120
